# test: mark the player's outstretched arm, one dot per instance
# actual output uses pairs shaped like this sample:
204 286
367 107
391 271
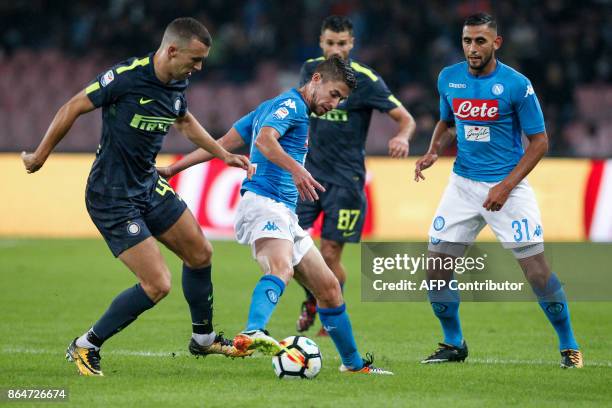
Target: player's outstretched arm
61 124
498 195
267 143
399 145
441 139
230 142
190 127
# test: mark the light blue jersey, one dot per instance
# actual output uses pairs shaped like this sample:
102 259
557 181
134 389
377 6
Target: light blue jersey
289 115
489 112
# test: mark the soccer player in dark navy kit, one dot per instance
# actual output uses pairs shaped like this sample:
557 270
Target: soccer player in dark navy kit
130 204
491 106
337 153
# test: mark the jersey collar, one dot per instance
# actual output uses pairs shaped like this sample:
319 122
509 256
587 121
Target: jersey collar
497 66
294 90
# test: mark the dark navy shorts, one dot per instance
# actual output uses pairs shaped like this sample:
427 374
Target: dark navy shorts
343 210
125 222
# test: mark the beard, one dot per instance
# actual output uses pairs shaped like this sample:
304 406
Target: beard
484 61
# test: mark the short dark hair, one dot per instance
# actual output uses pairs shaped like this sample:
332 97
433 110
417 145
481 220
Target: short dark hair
480 19
336 69
337 24
186 28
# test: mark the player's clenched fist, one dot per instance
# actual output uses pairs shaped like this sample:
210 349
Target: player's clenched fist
31 162
423 163
497 197
306 185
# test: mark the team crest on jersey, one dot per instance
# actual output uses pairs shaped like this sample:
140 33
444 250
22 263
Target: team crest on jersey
290 103
107 78
177 104
497 89
281 113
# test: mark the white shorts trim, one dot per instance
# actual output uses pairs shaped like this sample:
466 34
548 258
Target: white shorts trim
261 217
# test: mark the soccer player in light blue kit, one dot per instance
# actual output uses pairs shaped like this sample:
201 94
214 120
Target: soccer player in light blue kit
277 133
490 104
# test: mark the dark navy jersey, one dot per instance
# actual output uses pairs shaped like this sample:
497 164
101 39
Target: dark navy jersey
137 112
337 139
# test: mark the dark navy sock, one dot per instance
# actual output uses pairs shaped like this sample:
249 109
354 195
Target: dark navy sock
445 304
198 291
553 302
336 321
123 310
265 296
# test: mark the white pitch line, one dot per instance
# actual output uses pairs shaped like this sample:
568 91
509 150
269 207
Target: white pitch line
21 350
533 362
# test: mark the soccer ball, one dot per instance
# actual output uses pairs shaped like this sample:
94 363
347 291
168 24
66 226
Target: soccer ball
300 358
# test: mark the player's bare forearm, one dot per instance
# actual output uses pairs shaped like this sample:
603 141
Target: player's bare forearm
190 127
230 142
267 143
442 138
59 127
399 145
538 147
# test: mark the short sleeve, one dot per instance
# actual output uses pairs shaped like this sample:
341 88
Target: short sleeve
107 88
183 109
380 97
527 108
244 127
446 113
283 116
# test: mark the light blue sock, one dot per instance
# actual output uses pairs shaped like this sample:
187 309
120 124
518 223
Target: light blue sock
336 321
266 294
553 302
445 304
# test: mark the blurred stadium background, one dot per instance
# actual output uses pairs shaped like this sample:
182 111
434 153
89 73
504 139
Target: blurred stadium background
50 50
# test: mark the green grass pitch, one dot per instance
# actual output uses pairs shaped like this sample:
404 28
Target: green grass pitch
52 290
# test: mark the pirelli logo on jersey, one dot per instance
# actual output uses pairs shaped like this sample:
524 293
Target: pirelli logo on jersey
154 124
476 109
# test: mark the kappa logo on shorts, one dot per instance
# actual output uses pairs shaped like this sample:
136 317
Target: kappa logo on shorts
272 296
538 231
439 223
133 228
270 226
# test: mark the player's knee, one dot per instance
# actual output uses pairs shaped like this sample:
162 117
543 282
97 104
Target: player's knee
330 293
277 266
158 289
201 257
